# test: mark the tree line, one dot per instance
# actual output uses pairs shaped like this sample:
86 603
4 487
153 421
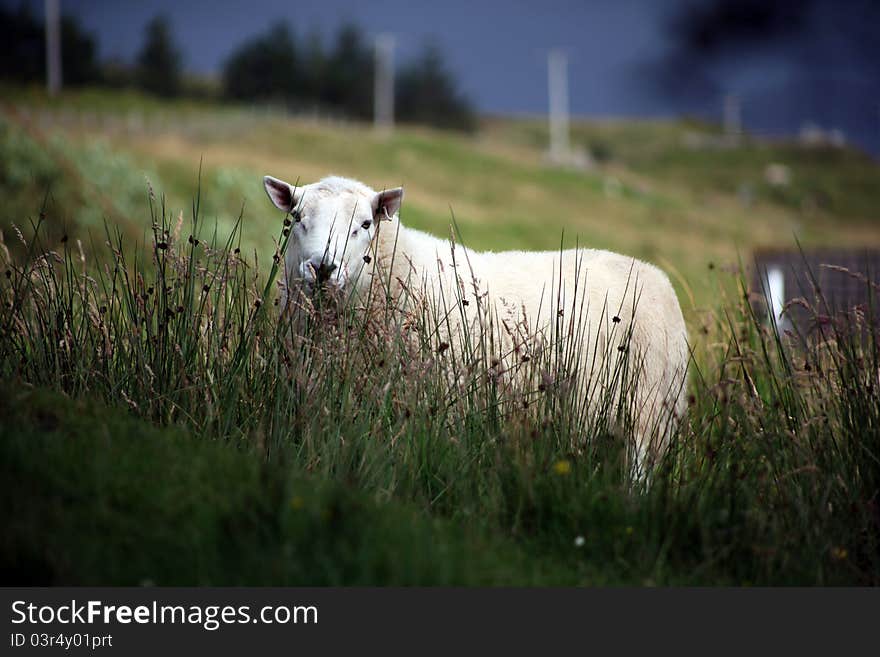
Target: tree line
277 67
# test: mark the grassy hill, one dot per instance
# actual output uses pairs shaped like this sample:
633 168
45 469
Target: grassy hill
159 425
661 191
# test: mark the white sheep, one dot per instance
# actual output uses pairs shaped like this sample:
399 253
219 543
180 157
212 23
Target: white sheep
629 306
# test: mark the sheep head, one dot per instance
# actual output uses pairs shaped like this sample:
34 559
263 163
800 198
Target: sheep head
332 225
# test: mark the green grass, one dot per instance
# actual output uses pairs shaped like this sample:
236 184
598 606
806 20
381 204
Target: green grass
97 496
652 196
168 428
159 425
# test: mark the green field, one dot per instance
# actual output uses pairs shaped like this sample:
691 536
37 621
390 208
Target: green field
140 447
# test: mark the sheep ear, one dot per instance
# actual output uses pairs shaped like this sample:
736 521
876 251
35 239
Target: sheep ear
283 195
386 204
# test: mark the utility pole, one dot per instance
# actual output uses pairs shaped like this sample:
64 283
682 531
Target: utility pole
383 91
557 87
732 116
53 46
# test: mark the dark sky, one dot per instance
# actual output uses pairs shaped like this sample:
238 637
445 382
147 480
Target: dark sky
497 50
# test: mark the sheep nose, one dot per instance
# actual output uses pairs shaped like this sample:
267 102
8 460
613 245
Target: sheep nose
322 269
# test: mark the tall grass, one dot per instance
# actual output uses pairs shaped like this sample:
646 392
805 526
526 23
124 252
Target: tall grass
773 478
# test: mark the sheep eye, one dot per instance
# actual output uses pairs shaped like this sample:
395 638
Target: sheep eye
366 225
297 215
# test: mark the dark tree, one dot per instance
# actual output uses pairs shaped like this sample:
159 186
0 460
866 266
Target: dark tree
159 61
78 55
272 67
314 68
264 68
426 93
23 55
814 37
348 75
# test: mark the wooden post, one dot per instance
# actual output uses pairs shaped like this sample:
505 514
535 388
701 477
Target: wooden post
53 47
557 88
383 90
732 116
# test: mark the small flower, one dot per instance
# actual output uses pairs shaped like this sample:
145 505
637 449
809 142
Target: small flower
579 541
629 530
839 553
562 467
297 502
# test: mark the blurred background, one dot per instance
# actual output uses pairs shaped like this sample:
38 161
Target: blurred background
694 134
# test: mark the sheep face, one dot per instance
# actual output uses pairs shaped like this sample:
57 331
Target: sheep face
332 224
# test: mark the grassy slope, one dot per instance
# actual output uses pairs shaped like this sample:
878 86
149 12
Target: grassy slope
101 497
655 198
96 496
